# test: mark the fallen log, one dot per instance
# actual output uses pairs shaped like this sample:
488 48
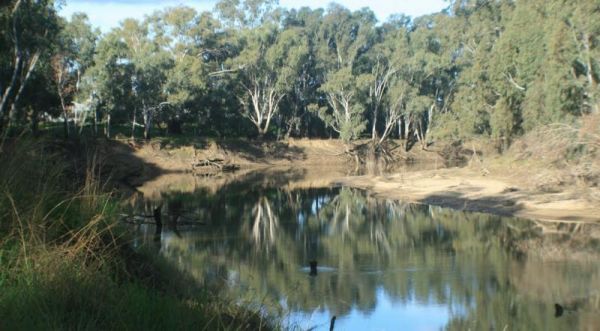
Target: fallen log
217 164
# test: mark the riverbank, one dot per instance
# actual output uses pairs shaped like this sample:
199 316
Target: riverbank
136 163
65 263
471 189
487 182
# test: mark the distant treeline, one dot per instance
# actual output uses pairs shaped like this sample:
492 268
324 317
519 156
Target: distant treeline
495 68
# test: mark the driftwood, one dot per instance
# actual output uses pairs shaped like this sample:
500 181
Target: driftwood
157 219
182 223
214 164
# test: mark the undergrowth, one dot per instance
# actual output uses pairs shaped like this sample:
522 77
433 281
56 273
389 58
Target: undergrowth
65 264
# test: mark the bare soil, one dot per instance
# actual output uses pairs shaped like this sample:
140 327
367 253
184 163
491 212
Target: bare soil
476 190
498 186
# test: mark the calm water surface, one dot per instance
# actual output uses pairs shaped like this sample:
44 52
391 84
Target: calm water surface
382 264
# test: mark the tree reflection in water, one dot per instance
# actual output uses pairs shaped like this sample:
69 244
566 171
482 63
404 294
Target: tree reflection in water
265 224
485 271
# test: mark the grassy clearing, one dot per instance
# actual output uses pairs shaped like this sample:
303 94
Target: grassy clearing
65 265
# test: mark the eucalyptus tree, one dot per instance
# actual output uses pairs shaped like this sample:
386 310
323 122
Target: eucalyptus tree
425 72
290 58
193 44
344 37
408 69
73 55
475 30
108 81
242 14
586 31
304 24
28 30
150 64
566 85
267 67
385 62
267 59
392 81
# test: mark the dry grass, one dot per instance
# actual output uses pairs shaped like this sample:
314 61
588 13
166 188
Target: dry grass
562 155
65 264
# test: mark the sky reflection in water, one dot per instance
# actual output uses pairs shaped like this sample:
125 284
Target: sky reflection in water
384 265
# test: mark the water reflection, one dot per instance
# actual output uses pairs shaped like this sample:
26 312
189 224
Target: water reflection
382 264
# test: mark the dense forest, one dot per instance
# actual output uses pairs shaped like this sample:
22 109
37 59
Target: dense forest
496 69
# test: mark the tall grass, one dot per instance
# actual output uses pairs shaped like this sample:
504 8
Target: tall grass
64 263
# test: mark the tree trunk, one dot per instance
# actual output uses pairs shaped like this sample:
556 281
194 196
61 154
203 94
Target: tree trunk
421 135
18 67
9 89
65 116
429 120
400 135
374 129
107 127
14 108
133 125
96 122
147 122
65 124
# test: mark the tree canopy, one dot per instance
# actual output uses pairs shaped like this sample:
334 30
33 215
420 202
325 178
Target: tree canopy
496 69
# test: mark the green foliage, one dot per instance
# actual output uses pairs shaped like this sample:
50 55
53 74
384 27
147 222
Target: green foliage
64 264
496 69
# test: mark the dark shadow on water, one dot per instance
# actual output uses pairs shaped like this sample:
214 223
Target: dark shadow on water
497 204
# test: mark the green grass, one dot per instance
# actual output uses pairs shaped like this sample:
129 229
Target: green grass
72 298
65 263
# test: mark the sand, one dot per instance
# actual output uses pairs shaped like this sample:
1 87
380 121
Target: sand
466 189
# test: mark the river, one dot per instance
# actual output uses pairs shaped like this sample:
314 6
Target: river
381 264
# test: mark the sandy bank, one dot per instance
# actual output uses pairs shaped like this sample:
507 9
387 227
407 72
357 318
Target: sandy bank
466 189
507 191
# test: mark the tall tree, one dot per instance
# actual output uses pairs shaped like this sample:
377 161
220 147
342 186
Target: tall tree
28 29
343 38
109 80
192 43
268 66
73 55
245 13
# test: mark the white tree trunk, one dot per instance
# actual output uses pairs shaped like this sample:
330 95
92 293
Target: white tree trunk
264 104
107 128
429 120
30 68
17 68
147 122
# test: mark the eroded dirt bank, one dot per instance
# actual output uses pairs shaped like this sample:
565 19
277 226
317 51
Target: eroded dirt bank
467 189
499 192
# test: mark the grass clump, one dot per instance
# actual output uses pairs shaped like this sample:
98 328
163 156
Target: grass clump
64 264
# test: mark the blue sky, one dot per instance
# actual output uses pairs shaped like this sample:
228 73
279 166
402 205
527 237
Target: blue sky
106 14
